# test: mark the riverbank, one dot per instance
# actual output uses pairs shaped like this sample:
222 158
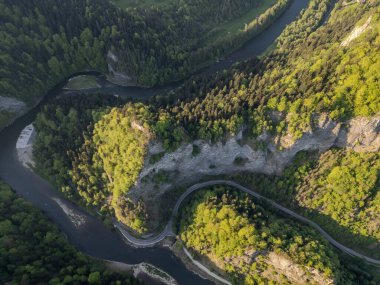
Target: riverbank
82 82
94 239
144 271
24 146
196 266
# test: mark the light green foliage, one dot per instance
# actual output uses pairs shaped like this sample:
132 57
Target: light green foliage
121 139
345 186
339 190
33 251
110 160
341 80
230 227
308 73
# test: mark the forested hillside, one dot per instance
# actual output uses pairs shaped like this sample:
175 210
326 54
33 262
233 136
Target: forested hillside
276 94
43 42
252 245
339 189
33 251
94 147
309 73
207 109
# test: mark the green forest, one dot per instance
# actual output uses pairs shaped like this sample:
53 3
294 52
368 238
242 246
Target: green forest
239 235
94 147
74 145
338 189
44 42
308 73
34 251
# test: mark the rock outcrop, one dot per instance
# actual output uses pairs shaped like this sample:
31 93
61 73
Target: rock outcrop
295 273
115 76
359 134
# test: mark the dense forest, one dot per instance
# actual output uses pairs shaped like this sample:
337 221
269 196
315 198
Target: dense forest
73 143
241 237
33 251
93 151
43 42
93 147
339 189
309 73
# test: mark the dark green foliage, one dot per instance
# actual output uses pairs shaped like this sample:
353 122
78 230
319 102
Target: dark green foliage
33 251
42 42
60 127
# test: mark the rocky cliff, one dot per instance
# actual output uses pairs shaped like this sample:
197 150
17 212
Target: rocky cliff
266 154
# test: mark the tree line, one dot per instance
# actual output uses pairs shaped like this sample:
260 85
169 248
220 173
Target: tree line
34 251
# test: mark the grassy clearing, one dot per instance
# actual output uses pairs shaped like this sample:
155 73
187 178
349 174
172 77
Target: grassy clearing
82 82
140 3
236 26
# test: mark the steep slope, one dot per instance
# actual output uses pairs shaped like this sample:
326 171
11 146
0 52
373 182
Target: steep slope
252 245
44 42
308 73
256 118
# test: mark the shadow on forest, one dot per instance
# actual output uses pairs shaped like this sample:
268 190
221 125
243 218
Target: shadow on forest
365 245
362 244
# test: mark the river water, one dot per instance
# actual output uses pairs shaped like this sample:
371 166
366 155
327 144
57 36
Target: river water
88 234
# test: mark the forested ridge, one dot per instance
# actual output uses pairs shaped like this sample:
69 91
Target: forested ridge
310 72
203 108
34 251
43 42
242 238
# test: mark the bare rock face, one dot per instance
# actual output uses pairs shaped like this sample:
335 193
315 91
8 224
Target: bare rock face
361 135
294 272
261 155
114 75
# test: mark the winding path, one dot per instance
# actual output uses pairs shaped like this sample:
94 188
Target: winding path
168 231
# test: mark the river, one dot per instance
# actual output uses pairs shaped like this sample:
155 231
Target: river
92 237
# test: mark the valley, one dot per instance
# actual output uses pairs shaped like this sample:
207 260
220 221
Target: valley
295 128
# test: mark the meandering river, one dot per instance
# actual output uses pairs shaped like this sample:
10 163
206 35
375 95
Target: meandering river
83 230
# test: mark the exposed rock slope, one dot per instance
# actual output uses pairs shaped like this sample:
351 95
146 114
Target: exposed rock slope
359 134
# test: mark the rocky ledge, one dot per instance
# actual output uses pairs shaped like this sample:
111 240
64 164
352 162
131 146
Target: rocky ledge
266 154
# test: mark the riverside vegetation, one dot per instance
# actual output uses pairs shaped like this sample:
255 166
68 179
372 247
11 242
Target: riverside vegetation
309 72
33 251
43 42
